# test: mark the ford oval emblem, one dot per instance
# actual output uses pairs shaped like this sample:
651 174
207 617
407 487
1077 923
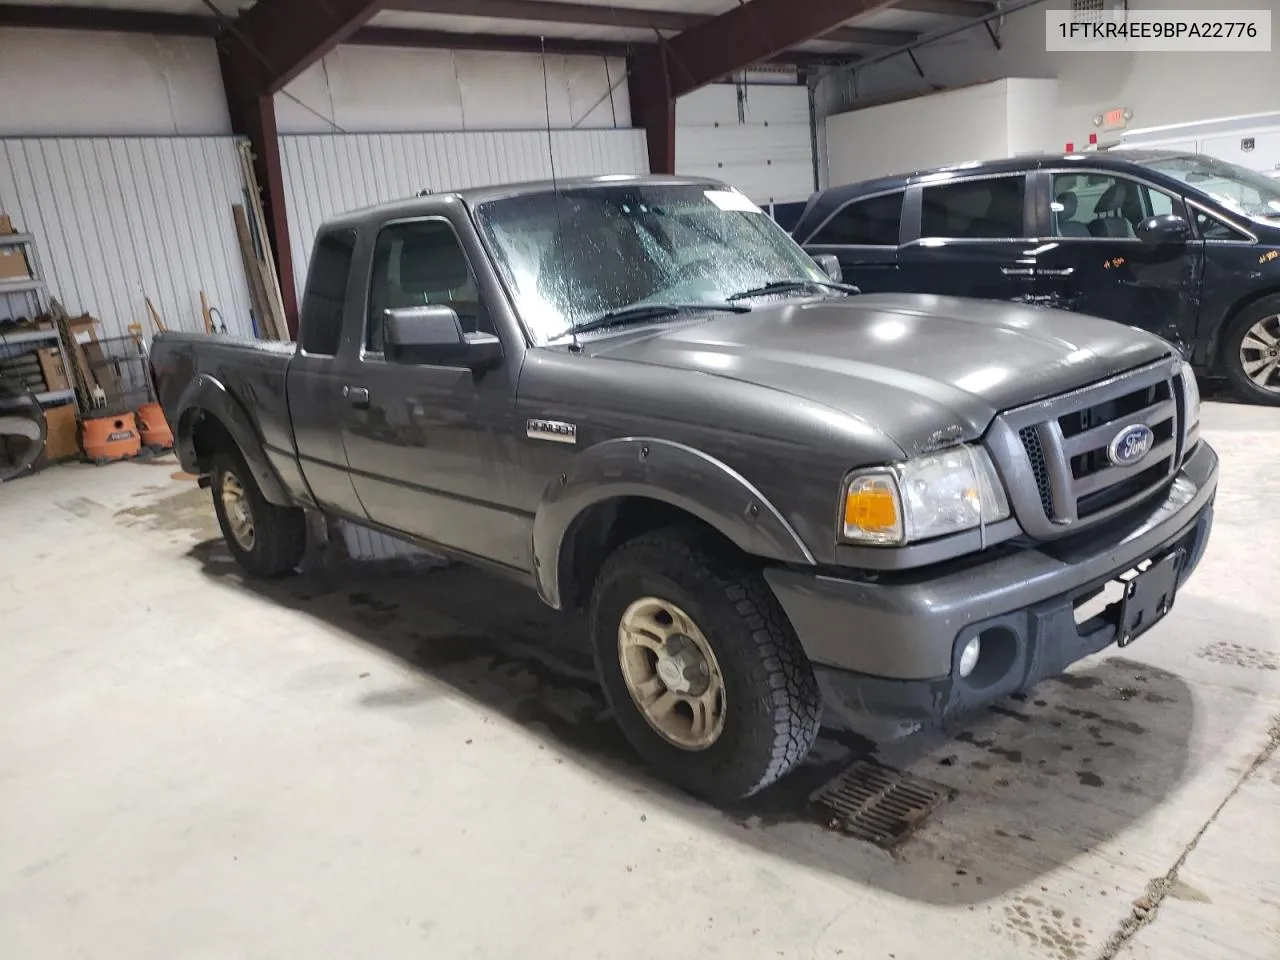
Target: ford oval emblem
1131 445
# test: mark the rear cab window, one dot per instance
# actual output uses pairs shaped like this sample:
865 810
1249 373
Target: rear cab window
326 293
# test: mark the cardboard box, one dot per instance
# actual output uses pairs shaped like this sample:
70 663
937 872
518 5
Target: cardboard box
6 225
55 374
13 264
63 432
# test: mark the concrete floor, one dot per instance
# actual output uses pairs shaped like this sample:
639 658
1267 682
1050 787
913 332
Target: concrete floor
389 764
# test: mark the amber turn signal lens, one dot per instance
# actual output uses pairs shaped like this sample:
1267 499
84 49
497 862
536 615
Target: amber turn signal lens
871 509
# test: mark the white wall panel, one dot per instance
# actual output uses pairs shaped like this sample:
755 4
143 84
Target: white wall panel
391 89
118 219
758 139
1160 88
73 83
325 175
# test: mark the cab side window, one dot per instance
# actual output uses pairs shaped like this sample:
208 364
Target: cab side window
326 293
1101 206
987 209
872 222
420 263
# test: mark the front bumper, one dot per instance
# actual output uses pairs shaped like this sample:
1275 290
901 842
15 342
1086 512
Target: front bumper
888 648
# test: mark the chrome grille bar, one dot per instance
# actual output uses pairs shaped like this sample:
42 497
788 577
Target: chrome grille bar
1053 454
1097 438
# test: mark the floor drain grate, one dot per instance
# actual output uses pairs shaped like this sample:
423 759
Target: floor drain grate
878 804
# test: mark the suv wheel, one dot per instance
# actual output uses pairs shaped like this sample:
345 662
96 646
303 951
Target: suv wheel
703 671
266 540
1251 352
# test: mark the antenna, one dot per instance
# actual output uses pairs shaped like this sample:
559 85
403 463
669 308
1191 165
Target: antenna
555 190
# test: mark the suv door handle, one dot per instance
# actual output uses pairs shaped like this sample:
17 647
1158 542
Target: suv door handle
358 397
1018 271
1064 272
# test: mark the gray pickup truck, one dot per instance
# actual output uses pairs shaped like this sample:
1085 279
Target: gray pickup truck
640 398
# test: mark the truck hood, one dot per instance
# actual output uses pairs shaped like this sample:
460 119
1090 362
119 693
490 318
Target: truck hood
916 367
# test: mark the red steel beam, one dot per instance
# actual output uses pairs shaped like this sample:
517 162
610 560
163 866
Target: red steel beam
108 19
278 39
750 33
253 115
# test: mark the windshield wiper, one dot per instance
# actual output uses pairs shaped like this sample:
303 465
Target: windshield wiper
646 311
782 286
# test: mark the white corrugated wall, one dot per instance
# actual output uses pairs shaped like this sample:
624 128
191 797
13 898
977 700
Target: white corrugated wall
328 174
117 219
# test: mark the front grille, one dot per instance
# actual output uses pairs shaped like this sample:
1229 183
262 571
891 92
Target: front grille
1063 448
1035 453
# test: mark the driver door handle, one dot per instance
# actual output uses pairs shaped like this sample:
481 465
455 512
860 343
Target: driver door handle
358 397
1018 271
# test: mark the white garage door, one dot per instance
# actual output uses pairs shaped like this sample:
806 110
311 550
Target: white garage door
328 174
118 219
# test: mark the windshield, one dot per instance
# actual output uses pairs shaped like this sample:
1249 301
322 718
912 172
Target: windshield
1234 186
573 257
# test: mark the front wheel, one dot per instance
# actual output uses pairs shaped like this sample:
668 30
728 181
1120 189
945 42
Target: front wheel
266 540
1251 352
701 666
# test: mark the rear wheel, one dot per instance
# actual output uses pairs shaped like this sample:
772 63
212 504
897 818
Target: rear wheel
701 666
266 540
1251 352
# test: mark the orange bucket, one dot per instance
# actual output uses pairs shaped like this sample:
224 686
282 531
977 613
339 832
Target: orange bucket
155 430
111 438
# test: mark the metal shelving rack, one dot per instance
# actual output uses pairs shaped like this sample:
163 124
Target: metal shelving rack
36 291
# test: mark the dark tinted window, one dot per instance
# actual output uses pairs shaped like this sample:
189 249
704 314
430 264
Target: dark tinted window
872 222
326 292
976 209
421 263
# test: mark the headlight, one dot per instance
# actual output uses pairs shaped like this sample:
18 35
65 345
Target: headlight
932 496
1190 398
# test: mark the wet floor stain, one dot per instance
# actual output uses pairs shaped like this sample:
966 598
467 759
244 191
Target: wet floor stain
1238 655
1046 926
189 512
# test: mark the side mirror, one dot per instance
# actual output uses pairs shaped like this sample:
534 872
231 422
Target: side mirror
1164 231
830 265
432 335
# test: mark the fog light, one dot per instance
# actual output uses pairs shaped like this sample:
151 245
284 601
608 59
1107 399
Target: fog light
969 656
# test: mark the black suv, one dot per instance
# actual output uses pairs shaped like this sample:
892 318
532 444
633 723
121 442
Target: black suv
1183 245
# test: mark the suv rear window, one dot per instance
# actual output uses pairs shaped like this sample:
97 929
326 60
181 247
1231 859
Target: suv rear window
989 209
872 223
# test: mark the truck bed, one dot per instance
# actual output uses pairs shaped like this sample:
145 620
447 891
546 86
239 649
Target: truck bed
253 372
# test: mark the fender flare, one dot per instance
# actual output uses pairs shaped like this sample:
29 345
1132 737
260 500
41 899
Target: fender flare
208 396
664 471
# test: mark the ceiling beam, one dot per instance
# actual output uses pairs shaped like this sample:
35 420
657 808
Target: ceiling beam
106 19
281 38
110 20
557 46
947 8
750 33
551 11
